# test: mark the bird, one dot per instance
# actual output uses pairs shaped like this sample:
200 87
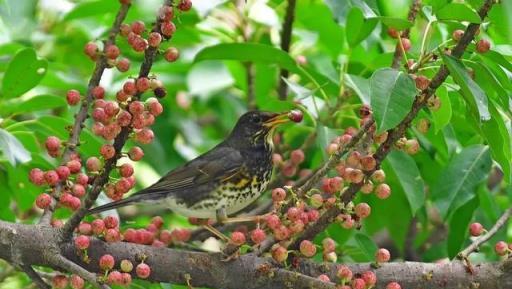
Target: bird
222 181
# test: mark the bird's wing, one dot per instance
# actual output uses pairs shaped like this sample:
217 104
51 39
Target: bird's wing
200 174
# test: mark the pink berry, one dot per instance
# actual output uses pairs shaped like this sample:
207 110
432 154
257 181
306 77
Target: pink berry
369 278
237 238
78 190
476 229
258 236
154 39
51 177
98 226
36 176
106 262
382 191
358 283
295 115
307 248
43 201
329 245
171 54
278 195
123 65
82 242
59 281
115 278
112 235
501 248
142 84
143 271
378 176
98 114
293 213
185 5
393 285
344 273
52 143
73 97
154 106
138 27
111 108
297 156
324 278
112 51
85 228
129 88
382 255
76 282
279 253
368 163
93 164
107 151
483 45
124 118
111 222
91 50
362 210
144 136
98 92
272 221
126 170
63 172
136 153
127 279
406 43
136 107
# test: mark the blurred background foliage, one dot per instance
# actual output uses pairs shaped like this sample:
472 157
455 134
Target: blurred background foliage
338 45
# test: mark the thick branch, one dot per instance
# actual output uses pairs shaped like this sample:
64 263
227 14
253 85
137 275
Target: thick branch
413 11
286 38
119 142
81 116
31 244
484 238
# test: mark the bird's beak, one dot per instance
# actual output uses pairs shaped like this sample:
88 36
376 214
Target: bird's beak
278 119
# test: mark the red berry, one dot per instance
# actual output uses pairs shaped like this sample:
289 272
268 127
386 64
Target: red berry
124 118
91 50
393 33
98 92
98 114
157 221
107 151
154 106
279 253
111 222
73 97
166 13
51 177
144 136
136 153
123 65
140 44
324 278
295 115
382 191
126 170
154 39
112 235
142 84
307 248
501 248
483 45
237 238
85 228
476 229
82 242
344 273
126 266
43 201
59 281
293 213
98 226
63 172
362 210
78 190
130 88
76 282
111 108
36 176
143 271
115 278
358 283
382 255
138 27
297 156
93 164
112 51
136 107
127 279
258 236
52 143
185 5
106 262
272 221
171 54
393 285
457 35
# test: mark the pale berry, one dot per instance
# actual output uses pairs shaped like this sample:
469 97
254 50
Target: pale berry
344 273
316 200
126 266
93 164
85 228
382 191
406 44
279 253
329 245
297 156
457 35
125 29
154 39
307 248
362 210
112 235
382 255
278 195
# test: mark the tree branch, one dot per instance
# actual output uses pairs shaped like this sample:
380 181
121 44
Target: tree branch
286 38
413 11
485 237
34 276
81 116
119 142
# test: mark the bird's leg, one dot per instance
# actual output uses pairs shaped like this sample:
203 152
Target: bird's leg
223 218
216 232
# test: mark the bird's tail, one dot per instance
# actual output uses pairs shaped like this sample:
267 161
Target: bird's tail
142 196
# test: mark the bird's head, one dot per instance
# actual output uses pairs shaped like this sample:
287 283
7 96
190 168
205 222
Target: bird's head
256 127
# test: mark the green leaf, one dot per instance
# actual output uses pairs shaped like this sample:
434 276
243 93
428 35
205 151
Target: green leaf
397 23
409 177
458 12
392 93
443 115
324 137
5 199
92 8
498 58
358 28
473 94
253 52
366 245
459 179
200 83
30 104
23 73
339 9
12 149
360 85
489 83
458 230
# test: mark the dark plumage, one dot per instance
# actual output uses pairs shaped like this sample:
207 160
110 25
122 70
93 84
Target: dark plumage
223 180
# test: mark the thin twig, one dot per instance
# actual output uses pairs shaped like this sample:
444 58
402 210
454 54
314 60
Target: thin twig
485 237
70 266
119 142
251 97
41 284
413 11
81 116
286 38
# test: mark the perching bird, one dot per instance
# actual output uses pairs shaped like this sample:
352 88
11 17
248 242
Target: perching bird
222 181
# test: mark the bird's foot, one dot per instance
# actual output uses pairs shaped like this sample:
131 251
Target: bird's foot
243 219
231 252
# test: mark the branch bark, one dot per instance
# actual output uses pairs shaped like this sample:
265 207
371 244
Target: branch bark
413 11
286 38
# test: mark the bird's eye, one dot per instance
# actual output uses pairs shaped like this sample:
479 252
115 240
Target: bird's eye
256 119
